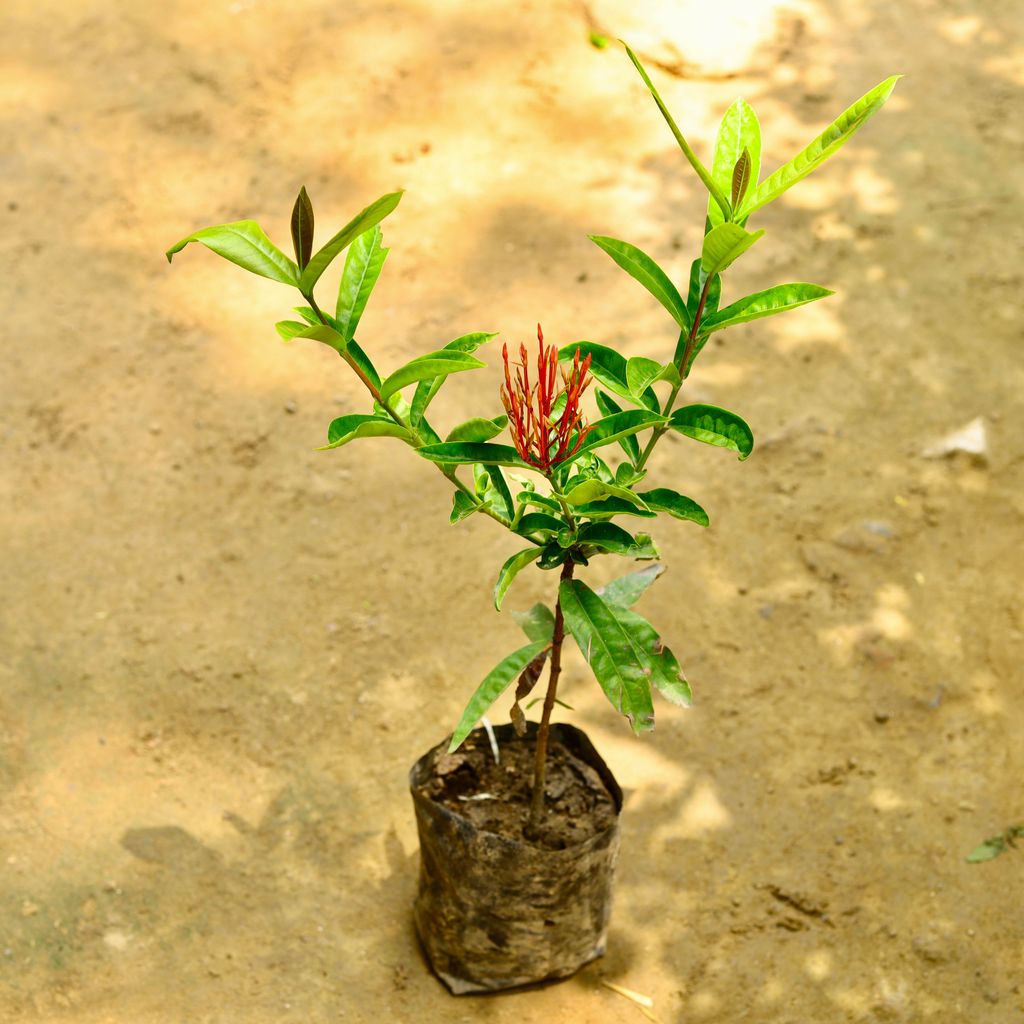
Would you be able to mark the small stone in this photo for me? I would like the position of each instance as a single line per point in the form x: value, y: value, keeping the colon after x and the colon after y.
x: 881, y: 717
x: 29, y: 909
x: 291, y: 407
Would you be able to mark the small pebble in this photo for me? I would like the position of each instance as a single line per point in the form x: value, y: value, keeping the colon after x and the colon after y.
x: 291, y: 407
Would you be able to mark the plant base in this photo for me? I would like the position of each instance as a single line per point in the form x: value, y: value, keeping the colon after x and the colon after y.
x: 495, y: 911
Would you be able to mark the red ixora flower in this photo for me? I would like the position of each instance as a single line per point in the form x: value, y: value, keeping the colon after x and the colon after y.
x: 544, y: 431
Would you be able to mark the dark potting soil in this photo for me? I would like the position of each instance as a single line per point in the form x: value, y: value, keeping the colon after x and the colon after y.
x: 496, y: 797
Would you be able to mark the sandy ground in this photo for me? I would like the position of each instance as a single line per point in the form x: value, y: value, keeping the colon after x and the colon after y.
x: 220, y: 651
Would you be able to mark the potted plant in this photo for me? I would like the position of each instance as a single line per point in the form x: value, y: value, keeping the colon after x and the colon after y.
x: 518, y: 824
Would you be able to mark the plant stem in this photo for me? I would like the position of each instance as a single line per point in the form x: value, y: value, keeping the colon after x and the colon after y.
x: 540, y: 763
x: 690, y: 342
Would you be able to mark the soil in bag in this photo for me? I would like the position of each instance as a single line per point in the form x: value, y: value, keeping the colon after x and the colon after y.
x: 496, y: 797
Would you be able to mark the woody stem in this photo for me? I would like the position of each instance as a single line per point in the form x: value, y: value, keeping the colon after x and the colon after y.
x: 540, y: 761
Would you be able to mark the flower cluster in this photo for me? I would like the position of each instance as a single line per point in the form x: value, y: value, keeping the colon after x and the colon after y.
x: 546, y: 425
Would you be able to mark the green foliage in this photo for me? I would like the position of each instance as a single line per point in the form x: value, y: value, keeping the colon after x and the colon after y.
x: 837, y: 134
x: 724, y: 244
x: 995, y: 845
x: 363, y: 264
x: 715, y: 426
x: 428, y: 367
x: 608, y: 367
x: 642, y: 268
x: 628, y: 589
x: 612, y: 652
x: 350, y: 428
x: 493, y: 686
x: 738, y: 133
x: 244, y: 243
x: 360, y: 223
x: 765, y: 303
x: 508, y: 572
x: 583, y: 473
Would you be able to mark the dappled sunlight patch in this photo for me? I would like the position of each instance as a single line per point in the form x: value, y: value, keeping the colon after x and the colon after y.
x: 874, y: 193
x: 985, y: 695
x: 882, y: 798
x: 1008, y: 65
x: 701, y: 813
x: 854, y: 1000
x: 961, y: 29
x: 640, y: 768
x: 711, y: 39
x: 26, y: 87
x: 818, y: 324
x: 99, y: 784
x: 771, y: 993
x: 819, y: 964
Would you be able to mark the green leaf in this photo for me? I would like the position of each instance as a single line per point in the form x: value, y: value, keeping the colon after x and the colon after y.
x: 607, y: 405
x: 302, y: 228
x: 553, y: 555
x: 723, y: 244
x: 677, y: 505
x: 995, y: 845
x: 494, y: 685
x: 610, y: 507
x: 540, y: 500
x: 463, y: 452
x: 425, y: 367
x: 308, y: 315
x: 328, y: 335
x: 702, y: 171
x: 540, y: 522
x: 611, y: 652
x: 642, y: 268
x: 658, y: 662
x: 427, y: 389
x: 627, y: 590
x: 642, y: 372
x: 243, y: 242
x: 608, y: 537
x: 538, y: 623
x: 363, y: 264
x: 715, y: 426
x: 511, y: 569
x: 839, y: 132
x: 738, y: 131
x: 471, y: 342
x: 608, y: 368
x: 463, y: 506
x: 765, y: 303
x: 595, y: 490
x: 362, y: 360
x: 693, y: 297
x: 619, y: 424
x: 289, y: 329
x: 627, y: 475
x: 349, y: 428
x: 598, y: 41
x: 362, y: 222
x: 478, y: 429
x: 499, y: 492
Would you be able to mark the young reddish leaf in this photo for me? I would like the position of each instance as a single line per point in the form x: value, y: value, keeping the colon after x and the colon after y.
x: 740, y: 178
x: 302, y: 228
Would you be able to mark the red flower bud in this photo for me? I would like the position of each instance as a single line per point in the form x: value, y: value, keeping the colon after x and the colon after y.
x: 545, y: 429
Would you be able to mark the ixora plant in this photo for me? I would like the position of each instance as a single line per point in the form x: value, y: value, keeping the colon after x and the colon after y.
x: 517, y: 850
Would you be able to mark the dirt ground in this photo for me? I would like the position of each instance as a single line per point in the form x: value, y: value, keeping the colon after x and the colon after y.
x: 220, y: 651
